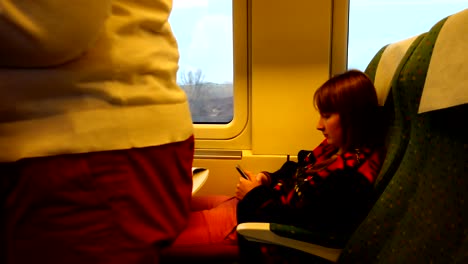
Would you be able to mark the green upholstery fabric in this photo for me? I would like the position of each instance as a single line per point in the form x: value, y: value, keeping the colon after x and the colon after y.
x: 398, y: 131
x: 462, y: 255
x: 421, y: 217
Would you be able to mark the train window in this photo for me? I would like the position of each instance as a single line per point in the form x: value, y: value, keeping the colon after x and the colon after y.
x: 212, y: 62
x: 375, y: 23
x: 204, y: 33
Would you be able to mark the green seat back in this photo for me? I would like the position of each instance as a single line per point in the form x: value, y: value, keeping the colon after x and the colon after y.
x: 398, y: 126
x: 421, y: 216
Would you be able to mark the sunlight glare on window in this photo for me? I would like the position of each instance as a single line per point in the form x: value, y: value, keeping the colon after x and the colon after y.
x: 376, y: 23
x: 204, y: 33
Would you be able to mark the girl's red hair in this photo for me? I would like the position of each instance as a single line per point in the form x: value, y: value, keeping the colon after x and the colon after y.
x: 352, y: 95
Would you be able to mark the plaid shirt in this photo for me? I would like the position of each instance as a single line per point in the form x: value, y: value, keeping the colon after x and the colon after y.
x: 323, y: 191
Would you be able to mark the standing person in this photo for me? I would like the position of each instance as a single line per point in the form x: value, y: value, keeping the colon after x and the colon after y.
x: 329, y: 189
x: 96, y: 136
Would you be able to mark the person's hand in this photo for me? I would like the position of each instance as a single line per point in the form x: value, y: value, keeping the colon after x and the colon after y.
x: 246, y: 185
x: 261, y: 177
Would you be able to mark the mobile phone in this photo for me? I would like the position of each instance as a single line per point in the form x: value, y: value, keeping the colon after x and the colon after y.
x: 241, y: 171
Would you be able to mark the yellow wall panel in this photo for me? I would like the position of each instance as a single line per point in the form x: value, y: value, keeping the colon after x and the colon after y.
x: 290, y: 58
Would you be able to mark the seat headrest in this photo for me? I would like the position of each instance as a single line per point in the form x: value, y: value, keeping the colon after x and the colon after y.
x: 446, y: 82
x: 387, y: 66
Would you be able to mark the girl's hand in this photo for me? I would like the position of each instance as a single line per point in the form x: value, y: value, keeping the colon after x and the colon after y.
x: 244, y: 186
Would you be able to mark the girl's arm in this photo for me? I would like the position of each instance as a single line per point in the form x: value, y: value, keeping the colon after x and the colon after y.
x: 336, y: 204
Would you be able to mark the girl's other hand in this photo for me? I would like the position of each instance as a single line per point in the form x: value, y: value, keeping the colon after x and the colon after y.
x: 261, y: 177
x: 246, y: 185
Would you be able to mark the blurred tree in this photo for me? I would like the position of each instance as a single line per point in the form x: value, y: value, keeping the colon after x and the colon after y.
x: 197, y: 91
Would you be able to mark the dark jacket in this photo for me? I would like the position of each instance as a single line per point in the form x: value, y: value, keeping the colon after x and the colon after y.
x: 323, y: 192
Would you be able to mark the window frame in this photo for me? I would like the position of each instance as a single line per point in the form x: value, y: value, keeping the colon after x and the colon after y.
x: 339, y: 42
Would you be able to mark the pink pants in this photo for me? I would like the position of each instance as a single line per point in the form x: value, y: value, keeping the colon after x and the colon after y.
x: 210, y: 233
x: 116, y: 207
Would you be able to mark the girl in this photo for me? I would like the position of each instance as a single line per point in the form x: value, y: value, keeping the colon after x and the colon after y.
x: 328, y: 191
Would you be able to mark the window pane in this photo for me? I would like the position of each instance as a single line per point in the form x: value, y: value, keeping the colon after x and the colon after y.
x: 376, y: 23
x: 203, y: 29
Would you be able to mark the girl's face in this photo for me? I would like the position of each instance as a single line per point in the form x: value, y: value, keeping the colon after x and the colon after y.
x: 330, y: 125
